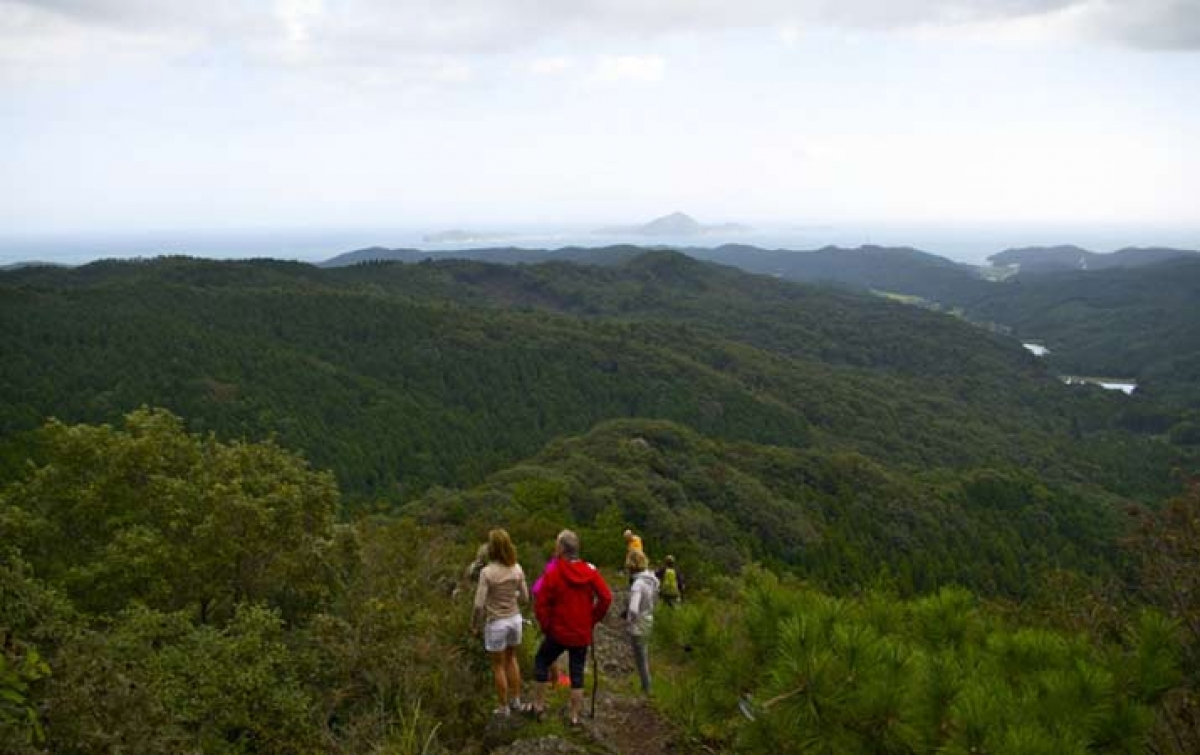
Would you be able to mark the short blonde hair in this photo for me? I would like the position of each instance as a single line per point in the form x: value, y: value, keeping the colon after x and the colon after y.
x: 501, y: 548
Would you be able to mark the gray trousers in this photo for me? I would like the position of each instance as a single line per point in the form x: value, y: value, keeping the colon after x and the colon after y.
x: 641, y: 657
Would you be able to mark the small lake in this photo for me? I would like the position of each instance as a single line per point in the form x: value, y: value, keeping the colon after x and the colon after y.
x: 1113, y: 384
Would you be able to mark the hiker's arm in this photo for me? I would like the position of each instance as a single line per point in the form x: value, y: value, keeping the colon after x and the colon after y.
x: 603, y: 599
x: 523, y: 591
x: 635, y: 607
x: 541, y: 608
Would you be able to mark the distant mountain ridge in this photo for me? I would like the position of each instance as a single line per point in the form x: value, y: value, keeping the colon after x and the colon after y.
x: 1053, y: 259
x: 505, y: 255
x: 901, y: 270
x: 30, y: 263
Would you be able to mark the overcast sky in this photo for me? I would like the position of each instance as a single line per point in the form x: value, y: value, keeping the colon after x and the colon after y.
x: 121, y: 115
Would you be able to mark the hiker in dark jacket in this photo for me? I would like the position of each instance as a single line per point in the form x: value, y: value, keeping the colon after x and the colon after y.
x: 572, y: 599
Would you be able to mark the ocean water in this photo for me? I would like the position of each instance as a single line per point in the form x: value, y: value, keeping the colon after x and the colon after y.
x: 967, y: 243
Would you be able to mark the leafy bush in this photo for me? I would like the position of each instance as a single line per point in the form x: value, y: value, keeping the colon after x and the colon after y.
x: 157, y: 683
x: 152, y: 514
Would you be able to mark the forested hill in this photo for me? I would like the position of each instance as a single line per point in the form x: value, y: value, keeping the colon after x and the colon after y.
x: 822, y: 324
x: 397, y: 377
x: 1142, y: 323
x: 1100, y: 314
x: 894, y: 269
x: 1056, y: 259
x: 834, y: 471
x: 506, y: 255
x: 838, y: 518
x: 167, y: 592
x: 888, y: 269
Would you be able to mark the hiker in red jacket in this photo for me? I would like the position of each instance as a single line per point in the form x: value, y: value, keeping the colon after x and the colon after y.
x: 572, y: 599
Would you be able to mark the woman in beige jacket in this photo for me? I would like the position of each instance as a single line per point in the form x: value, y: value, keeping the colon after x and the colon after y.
x: 498, y: 599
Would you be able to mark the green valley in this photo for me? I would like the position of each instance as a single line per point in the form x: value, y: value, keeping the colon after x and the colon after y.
x: 271, y: 559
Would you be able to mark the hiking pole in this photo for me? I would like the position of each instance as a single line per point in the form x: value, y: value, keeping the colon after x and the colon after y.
x: 595, y: 679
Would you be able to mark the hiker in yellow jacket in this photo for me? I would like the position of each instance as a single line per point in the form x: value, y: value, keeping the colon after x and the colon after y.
x: 633, y: 543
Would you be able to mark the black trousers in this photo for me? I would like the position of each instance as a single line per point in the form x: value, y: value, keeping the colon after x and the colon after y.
x: 549, y: 650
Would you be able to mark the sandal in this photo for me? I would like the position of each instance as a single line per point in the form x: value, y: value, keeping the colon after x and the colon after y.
x: 500, y: 712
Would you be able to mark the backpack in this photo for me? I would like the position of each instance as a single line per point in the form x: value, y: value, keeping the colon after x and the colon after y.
x: 670, y: 584
x: 474, y: 570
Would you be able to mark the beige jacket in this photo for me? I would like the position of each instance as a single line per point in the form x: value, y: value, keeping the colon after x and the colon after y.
x: 501, y: 591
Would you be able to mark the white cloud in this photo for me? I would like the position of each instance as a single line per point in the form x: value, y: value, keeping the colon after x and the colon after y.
x: 551, y: 66
x: 1166, y: 24
x: 40, y: 33
x: 296, y: 16
x: 638, y: 68
x: 789, y: 34
x: 1146, y: 24
x: 453, y: 71
x: 43, y: 41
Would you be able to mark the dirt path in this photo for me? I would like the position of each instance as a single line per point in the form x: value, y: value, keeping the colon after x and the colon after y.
x: 626, y: 723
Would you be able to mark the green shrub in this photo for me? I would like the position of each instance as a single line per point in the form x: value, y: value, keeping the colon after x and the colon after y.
x: 786, y: 669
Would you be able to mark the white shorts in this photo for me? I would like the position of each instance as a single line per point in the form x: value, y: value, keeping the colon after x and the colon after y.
x: 502, y: 633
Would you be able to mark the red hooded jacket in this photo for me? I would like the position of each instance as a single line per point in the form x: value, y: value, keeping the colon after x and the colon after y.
x: 573, y: 598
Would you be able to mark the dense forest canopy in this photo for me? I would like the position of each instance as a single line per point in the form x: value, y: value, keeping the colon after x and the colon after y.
x: 171, y: 626
x: 1136, y: 320
x: 1142, y: 323
x: 397, y: 377
x: 906, y: 517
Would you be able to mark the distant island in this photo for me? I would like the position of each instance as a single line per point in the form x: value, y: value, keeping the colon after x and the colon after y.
x: 675, y: 224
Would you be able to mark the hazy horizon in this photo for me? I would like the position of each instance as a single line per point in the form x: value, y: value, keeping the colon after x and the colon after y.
x: 967, y: 243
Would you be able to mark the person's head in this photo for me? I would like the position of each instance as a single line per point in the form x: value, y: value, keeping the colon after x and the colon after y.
x: 669, y: 560
x: 638, y: 562
x: 501, y: 548
x: 568, y: 544
x: 628, y: 535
